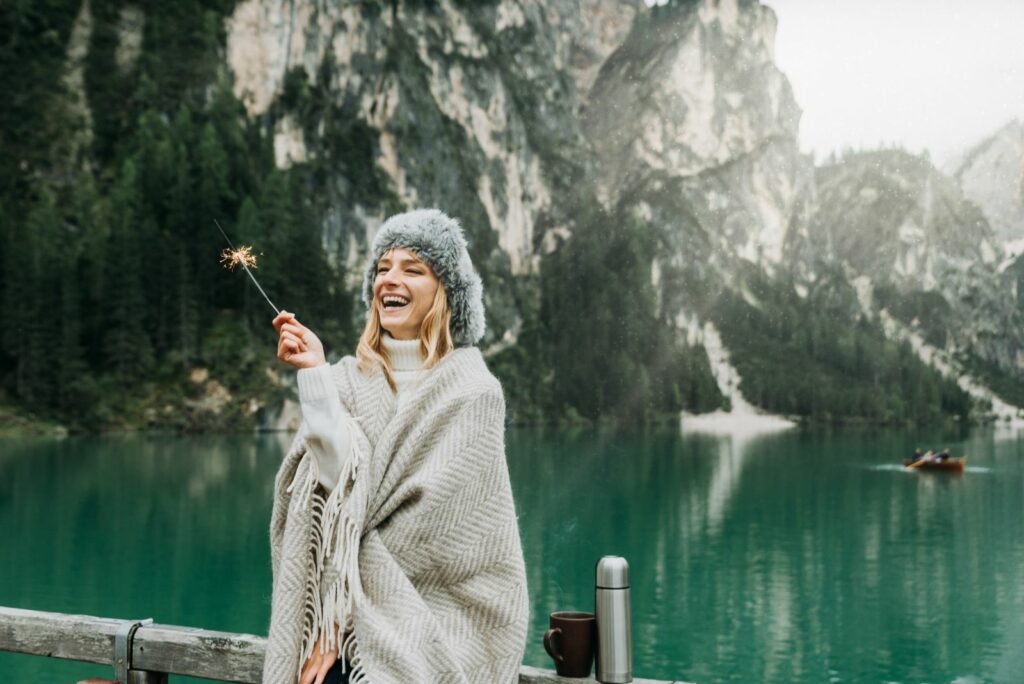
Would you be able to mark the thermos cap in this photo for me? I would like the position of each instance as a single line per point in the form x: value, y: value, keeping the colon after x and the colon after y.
x: 612, y: 573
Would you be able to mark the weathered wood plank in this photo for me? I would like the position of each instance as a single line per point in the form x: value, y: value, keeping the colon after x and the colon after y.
x: 73, y: 637
x: 224, y: 656
x: 161, y: 648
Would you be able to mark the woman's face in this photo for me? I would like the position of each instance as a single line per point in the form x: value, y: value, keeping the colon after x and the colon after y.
x: 403, y: 293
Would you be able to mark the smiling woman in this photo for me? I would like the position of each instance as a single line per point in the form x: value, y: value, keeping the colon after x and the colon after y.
x: 388, y: 565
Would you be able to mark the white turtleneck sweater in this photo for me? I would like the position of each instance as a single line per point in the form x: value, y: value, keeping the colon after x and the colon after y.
x: 324, y: 418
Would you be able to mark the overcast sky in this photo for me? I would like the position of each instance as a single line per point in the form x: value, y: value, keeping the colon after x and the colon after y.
x: 927, y: 74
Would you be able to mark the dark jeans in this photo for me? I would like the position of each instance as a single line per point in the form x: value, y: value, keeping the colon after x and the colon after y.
x: 334, y: 676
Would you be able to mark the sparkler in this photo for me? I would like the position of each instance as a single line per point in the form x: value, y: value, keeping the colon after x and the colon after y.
x: 243, y: 257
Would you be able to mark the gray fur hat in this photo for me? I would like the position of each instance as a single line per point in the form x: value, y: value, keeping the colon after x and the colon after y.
x: 437, y: 239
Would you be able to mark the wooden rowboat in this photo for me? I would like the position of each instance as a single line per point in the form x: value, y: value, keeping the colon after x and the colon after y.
x: 953, y: 465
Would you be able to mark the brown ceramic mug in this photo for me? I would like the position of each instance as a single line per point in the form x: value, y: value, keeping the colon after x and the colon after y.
x: 570, y: 642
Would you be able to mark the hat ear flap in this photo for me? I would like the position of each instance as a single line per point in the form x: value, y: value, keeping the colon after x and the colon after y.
x: 467, y: 304
x: 476, y: 323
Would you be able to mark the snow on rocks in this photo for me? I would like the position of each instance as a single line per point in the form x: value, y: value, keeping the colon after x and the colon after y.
x: 743, y: 417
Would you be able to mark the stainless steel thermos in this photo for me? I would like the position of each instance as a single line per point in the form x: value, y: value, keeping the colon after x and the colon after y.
x: 614, y: 624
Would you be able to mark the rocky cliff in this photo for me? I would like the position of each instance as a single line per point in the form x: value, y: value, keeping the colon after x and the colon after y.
x: 991, y: 174
x: 694, y: 125
x: 500, y: 111
x: 893, y: 217
x: 919, y: 248
x: 469, y: 105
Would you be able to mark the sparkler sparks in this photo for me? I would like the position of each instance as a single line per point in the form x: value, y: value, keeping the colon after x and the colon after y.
x: 242, y: 257
x: 235, y: 257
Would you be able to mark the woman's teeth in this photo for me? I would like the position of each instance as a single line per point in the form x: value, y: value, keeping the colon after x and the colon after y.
x: 393, y: 301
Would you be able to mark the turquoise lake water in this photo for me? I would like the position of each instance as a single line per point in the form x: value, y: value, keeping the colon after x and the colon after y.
x: 800, y: 556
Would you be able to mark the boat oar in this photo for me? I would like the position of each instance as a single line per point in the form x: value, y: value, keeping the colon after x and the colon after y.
x: 921, y: 461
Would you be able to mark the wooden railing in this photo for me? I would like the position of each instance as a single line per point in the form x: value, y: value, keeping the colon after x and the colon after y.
x: 147, y: 653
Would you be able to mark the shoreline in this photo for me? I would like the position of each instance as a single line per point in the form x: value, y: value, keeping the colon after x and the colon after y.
x: 729, y: 423
x: 14, y: 423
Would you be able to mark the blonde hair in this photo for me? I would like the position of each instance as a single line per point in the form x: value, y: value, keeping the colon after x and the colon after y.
x: 435, y: 337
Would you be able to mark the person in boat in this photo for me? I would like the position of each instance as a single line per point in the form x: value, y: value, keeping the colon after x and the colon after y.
x: 917, y: 458
x: 395, y: 547
x: 944, y: 456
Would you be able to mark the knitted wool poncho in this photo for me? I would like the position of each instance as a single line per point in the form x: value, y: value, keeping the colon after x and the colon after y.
x: 415, y: 553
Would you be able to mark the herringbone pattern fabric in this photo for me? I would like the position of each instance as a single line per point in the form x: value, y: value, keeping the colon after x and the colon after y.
x: 416, y: 552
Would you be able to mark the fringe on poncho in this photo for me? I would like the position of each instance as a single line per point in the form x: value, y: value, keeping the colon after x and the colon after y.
x: 415, y: 555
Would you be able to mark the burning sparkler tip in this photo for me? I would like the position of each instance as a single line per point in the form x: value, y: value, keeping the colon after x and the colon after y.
x: 242, y: 256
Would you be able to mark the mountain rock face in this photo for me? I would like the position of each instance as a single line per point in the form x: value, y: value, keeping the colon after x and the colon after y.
x: 598, y: 28
x: 467, y: 105
x: 479, y: 102
x: 991, y: 175
x: 897, y: 224
x: 693, y: 123
x: 890, y: 215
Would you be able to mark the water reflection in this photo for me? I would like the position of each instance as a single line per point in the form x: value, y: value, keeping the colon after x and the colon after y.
x: 790, y: 546
x: 733, y: 450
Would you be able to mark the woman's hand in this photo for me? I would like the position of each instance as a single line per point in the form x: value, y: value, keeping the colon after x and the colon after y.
x: 297, y: 346
x: 317, y: 667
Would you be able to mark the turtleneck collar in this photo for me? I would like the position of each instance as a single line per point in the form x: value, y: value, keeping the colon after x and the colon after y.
x: 405, y: 354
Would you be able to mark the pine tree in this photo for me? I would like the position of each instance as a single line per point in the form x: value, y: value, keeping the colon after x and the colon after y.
x: 127, y: 348
x: 36, y: 304
x: 87, y: 208
x: 213, y: 199
x: 183, y: 226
